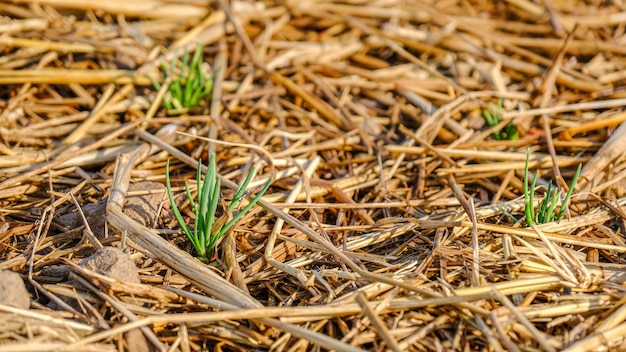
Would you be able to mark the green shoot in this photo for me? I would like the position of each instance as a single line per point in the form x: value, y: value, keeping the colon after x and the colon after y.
x: 510, y: 132
x: 508, y: 215
x: 190, y: 82
x: 546, y: 210
x: 207, y: 230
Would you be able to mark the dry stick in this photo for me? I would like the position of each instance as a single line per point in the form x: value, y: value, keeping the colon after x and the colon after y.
x: 247, y: 43
x: 269, y: 247
x: 184, y: 263
x: 613, y: 149
x: 32, y: 314
x: 379, y: 325
x: 185, y: 344
x: 229, y: 248
x: 254, y: 147
x: 501, y: 333
x: 600, y: 341
x: 591, y: 105
x: 233, y: 312
x: 491, y: 155
x: 63, y: 76
x: 427, y: 146
x: 344, y: 116
x: 363, y: 273
x: 187, y: 40
x: 491, y: 338
x: 594, y: 125
x: 317, y: 103
x: 475, y: 248
x: 341, y: 196
x: 458, y: 193
x: 503, y: 185
x: 150, y: 335
x: 93, y: 117
x: 88, y: 233
x: 221, y: 62
x: 557, y: 254
x: 52, y: 46
x: 547, y: 87
x: 156, y: 103
x: 403, y: 52
x: 617, y: 317
x: 553, y: 237
x: 48, y: 212
x: 308, y: 313
x: 69, y: 154
x: 151, y: 9
x: 60, y: 303
x: 25, y: 91
x: 533, y: 70
x: 545, y: 345
x: 563, y: 272
x: 433, y: 123
x: 306, y: 230
x: 423, y: 332
x: 474, y: 168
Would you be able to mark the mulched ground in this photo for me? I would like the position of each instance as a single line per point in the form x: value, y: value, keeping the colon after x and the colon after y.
x: 390, y: 223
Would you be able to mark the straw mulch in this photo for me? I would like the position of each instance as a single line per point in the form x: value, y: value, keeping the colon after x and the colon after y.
x: 387, y: 224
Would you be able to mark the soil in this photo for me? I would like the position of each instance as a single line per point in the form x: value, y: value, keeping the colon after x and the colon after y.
x: 113, y: 263
x: 13, y: 291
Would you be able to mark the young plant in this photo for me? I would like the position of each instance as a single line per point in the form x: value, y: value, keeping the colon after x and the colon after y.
x: 510, y: 132
x: 190, y: 82
x: 546, y: 211
x: 207, y: 230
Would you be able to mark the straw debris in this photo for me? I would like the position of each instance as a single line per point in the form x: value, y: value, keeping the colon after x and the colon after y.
x: 388, y: 223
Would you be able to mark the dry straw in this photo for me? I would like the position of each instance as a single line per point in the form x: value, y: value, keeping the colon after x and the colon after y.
x: 388, y: 223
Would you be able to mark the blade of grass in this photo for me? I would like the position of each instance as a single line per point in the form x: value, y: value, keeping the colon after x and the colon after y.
x: 564, y: 205
x: 527, y: 195
x: 240, y: 191
x: 177, y: 214
x: 245, y: 210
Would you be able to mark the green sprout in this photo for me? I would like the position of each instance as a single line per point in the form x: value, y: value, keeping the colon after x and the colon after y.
x: 546, y: 211
x: 189, y: 81
x: 510, y: 132
x: 207, y: 230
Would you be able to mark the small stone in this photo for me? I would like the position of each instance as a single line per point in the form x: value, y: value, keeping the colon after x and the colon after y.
x: 136, y: 341
x: 13, y: 291
x: 95, y: 213
x: 114, y: 263
x: 144, y: 208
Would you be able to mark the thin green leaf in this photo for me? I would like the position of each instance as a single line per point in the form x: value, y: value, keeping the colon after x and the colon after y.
x: 564, y: 205
x: 532, y: 196
x: 155, y: 83
x: 527, y: 194
x: 213, y: 208
x: 239, y: 215
x: 543, y: 206
x: 512, y: 133
x: 204, y: 199
x: 509, y: 215
x: 185, y: 63
x: 198, y: 55
x: 553, y: 203
x: 241, y: 190
x: 179, y: 217
x: 192, y: 204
